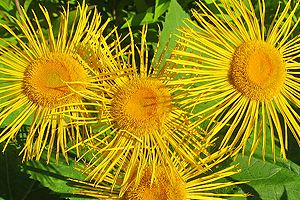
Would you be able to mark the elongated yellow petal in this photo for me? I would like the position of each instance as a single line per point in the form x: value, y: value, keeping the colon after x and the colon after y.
x: 245, y: 77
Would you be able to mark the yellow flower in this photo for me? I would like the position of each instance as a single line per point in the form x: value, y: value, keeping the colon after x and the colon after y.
x: 141, y: 116
x: 246, y: 74
x: 179, y: 181
x: 38, y: 77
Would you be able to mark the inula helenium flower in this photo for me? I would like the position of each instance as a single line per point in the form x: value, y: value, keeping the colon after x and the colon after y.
x: 140, y: 117
x: 246, y: 72
x: 38, y: 77
x: 178, y: 181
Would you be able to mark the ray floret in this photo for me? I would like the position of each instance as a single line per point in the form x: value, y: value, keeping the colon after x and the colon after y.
x: 245, y: 72
x: 179, y: 181
x: 141, y: 117
x: 38, y: 77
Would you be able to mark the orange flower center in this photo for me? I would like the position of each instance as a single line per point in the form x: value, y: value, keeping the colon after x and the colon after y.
x: 164, y: 187
x: 257, y: 70
x: 45, y: 79
x: 141, y: 106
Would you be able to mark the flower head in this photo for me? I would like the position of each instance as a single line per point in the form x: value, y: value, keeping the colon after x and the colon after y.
x: 244, y: 72
x: 142, y: 117
x: 39, y: 75
x: 179, y: 181
x: 141, y: 106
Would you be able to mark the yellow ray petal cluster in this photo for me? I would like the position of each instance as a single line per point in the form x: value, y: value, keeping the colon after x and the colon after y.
x: 141, y: 106
x: 141, y: 117
x: 134, y: 117
x: 245, y: 71
x: 179, y: 181
x: 143, y: 146
x: 38, y: 77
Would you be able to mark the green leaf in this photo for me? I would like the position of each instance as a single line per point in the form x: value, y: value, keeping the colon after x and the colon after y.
x: 269, y: 179
x: 174, y: 19
x: 55, y: 175
x: 15, y: 184
x: 140, y: 19
x: 6, y: 5
x: 161, y: 6
x: 27, y: 4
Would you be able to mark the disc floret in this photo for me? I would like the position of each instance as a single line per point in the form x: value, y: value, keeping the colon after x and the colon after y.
x: 164, y: 186
x: 141, y: 106
x: 257, y: 70
x: 45, y: 79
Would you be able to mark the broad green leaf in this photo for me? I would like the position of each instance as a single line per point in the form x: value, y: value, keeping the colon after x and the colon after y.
x: 55, y: 175
x: 17, y: 185
x: 140, y: 19
x: 269, y: 179
x: 174, y: 19
x: 27, y: 4
x: 161, y: 6
x: 6, y: 5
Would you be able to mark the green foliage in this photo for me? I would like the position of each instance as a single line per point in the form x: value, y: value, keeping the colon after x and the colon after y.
x: 146, y: 14
x: 38, y: 180
x: 268, y: 179
x: 55, y: 176
x: 17, y: 184
x: 174, y: 19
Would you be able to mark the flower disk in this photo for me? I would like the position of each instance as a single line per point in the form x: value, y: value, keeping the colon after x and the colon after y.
x: 257, y: 70
x: 245, y: 70
x: 141, y: 106
x: 164, y: 187
x: 45, y: 79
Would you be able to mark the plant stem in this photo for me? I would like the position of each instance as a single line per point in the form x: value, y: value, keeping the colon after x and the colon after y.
x: 19, y: 8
